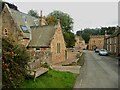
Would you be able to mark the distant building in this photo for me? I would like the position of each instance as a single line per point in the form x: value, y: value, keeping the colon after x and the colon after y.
x: 113, y: 42
x: 80, y: 43
x: 96, y: 41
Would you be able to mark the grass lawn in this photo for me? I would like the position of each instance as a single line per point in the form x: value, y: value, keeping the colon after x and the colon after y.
x: 52, y: 79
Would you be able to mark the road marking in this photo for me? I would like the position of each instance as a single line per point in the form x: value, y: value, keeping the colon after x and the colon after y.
x: 81, y: 82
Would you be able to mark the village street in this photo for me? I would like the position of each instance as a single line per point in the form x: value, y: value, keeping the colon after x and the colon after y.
x: 98, y: 72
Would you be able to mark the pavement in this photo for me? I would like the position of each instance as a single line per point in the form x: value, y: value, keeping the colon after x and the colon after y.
x: 71, y: 58
x: 98, y: 72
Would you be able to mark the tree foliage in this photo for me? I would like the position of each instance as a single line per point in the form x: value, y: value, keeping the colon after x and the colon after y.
x: 66, y: 20
x: 97, y: 31
x: 69, y: 39
x: 33, y: 13
x: 14, y: 61
x: 66, y: 25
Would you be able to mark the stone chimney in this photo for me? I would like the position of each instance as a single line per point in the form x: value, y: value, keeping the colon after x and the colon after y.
x: 41, y: 13
x: 42, y: 19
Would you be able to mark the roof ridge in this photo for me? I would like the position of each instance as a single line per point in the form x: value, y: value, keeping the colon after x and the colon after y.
x: 23, y: 13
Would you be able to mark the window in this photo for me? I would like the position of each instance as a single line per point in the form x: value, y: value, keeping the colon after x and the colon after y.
x: 107, y: 47
x: 24, y: 19
x: 110, y: 40
x: 58, y: 47
x: 107, y: 41
x: 37, y: 48
x: 6, y: 32
x: 115, y: 48
x: 115, y: 39
x: 110, y: 48
x: 24, y: 29
x: 36, y: 22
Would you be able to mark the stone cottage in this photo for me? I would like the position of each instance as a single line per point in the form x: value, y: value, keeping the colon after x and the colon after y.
x: 80, y: 43
x: 49, y: 39
x: 96, y: 41
x: 44, y: 42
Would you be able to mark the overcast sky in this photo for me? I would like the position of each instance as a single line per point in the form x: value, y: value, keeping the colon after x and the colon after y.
x: 84, y: 14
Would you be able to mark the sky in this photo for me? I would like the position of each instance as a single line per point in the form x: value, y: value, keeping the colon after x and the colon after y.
x: 84, y: 14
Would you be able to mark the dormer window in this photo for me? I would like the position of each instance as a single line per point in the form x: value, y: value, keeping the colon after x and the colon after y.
x: 36, y: 22
x: 24, y: 19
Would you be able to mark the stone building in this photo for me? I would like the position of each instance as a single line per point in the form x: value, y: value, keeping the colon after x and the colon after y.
x: 44, y: 42
x: 96, y: 41
x: 80, y: 43
x: 113, y: 42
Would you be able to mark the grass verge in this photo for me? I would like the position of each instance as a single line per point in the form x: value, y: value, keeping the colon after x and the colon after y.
x: 52, y: 79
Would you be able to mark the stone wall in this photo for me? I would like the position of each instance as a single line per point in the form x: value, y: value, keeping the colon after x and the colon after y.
x: 113, y: 45
x: 80, y: 43
x: 39, y: 57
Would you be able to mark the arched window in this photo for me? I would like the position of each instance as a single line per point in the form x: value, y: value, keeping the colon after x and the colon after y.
x: 6, y: 32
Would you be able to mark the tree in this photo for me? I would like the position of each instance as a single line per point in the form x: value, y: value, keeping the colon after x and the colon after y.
x: 66, y: 25
x: 33, y: 13
x: 69, y: 39
x: 66, y: 20
x: 14, y: 62
x: 50, y: 20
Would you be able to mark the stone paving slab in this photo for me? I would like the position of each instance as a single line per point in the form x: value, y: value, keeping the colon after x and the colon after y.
x: 72, y: 69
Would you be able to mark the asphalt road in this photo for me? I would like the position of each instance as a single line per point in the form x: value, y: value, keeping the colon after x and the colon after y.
x: 98, y: 72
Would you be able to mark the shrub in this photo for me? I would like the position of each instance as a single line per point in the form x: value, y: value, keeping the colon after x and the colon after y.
x: 14, y: 61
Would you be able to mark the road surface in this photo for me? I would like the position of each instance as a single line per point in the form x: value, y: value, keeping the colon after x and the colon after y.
x: 98, y: 72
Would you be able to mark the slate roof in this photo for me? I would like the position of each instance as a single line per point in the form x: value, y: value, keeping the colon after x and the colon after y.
x: 23, y: 19
x: 19, y: 17
x: 42, y: 36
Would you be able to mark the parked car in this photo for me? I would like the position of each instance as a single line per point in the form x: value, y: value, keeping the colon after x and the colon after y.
x: 103, y: 52
x: 96, y: 50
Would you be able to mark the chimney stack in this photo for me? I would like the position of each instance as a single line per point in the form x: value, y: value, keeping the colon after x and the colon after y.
x: 41, y: 13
